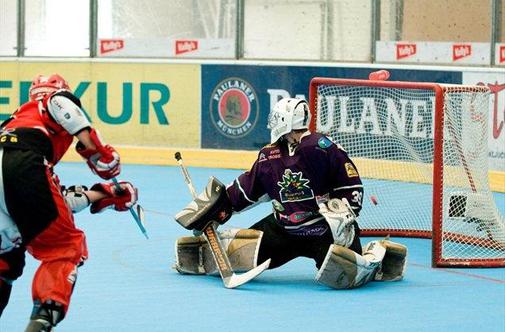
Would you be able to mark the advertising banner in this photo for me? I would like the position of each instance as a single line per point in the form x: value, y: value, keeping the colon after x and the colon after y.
x: 434, y: 52
x: 499, y: 58
x: 167, y: 47
x: 237, y: 99
x: 136, y: 104
x: 496, y: 139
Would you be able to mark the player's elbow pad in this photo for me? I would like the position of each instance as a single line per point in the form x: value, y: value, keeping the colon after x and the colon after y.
x: 76, y: 198
x: 213, y: 204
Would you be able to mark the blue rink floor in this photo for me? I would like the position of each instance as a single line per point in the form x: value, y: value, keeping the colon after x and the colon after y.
x: 128, y: 283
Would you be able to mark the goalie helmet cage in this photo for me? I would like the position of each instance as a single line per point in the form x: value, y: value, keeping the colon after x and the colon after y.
x: 424, y: 143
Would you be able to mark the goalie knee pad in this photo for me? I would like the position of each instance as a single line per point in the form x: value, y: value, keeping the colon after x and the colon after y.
x: 394, y: 262
x: 343, y: 268
x: 193, y: 254
x: 189, y: 255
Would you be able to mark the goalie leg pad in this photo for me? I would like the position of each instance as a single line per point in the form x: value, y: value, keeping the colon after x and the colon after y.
x: 394, y: 263
x: 193, y: 254
x: 344, y: 269
x: 189, y: 255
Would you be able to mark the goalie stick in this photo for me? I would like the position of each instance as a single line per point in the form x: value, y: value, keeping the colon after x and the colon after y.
x: 230, y: 279
x: 138, y: 215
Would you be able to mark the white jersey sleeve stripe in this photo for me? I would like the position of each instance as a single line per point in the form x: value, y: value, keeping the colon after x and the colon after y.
x: 348, y: 187
x: 243, y: 192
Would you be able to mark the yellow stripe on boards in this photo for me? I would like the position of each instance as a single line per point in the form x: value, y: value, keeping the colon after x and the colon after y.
x: 231, y: 159
x: 240, y: 159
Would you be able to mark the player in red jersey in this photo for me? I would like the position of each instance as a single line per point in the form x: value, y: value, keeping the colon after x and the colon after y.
x: 36, y: 213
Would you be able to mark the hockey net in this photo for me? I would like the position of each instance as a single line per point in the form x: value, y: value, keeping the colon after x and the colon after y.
x: 421, y: 149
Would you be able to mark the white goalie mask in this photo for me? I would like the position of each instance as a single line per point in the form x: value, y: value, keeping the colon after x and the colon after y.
x: 288, y: 114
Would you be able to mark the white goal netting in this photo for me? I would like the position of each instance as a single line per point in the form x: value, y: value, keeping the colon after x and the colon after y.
x: 422, y: 151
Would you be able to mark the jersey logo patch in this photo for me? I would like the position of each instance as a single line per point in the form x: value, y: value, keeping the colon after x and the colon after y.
x: 351, y: 170
x: 262, y: 157
x: 324, y: 143
x: 8, y: 135
x: 294, y: 187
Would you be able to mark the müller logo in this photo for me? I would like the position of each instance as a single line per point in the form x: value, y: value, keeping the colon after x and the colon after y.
x: 110, y: 45
x: 234, y: 107
x: 185, y: 46
x: 502, y: 53
x: 460, y: 51
x: 405, y: 50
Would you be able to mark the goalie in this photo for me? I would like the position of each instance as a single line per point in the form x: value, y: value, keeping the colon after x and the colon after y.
x: 316, y: 192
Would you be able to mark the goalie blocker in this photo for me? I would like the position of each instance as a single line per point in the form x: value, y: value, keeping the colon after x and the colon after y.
x: 212, y: 205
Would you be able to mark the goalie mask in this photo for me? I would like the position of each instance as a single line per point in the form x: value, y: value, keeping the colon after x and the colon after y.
x: 288, y: 114
x: 44, y: 85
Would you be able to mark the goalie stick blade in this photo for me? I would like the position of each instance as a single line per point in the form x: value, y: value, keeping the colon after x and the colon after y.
x: 236, y: 280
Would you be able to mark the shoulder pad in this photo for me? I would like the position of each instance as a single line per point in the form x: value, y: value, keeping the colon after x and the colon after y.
x: 69, y: 95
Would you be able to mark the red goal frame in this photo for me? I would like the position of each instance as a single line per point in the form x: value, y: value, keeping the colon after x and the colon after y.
x: 436, y: 234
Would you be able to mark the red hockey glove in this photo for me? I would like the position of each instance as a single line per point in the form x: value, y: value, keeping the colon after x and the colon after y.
x: 118, y: 201
x: 104, y: 161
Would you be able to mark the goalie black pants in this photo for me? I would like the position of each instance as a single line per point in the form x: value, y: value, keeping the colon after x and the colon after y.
x: 282, y: 247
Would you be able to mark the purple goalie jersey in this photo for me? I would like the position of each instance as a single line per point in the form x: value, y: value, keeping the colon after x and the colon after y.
x: 318, y: 171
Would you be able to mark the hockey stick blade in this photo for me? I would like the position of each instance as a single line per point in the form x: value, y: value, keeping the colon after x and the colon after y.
x: 139, y: 219
x: 236, y: 280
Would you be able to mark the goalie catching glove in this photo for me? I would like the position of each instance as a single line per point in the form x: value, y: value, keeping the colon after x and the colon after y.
x: 340, y: 218
x: 213, y: 204
x: 103, y: 160
x: 119, y: 201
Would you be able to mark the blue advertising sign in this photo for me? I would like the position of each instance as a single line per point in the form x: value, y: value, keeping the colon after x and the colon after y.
x: 236, y: 99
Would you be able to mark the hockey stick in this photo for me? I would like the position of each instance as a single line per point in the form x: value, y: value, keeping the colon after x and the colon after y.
x: 137, y: 215
x: 230, y: 279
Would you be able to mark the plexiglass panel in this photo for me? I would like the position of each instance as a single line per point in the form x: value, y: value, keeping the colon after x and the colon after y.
x: 161, y: 28
x: 57, y: 28
x: 8, y: 27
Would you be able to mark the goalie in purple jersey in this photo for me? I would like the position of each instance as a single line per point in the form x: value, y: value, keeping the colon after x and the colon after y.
x: 316, y: 193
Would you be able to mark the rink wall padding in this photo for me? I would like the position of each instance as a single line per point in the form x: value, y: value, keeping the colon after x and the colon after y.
x: 215, y: 111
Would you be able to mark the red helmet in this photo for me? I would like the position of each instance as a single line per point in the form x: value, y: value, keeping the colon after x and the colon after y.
x: 43, y: 85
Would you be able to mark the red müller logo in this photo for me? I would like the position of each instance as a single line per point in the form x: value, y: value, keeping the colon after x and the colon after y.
x: 502, y: 53
x: 460, y: 51
x: 405, y: 50
x: 110, y: 45
x: 185, y: 46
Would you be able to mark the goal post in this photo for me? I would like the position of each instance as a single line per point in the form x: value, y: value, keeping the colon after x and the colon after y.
x: 421, y: 149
